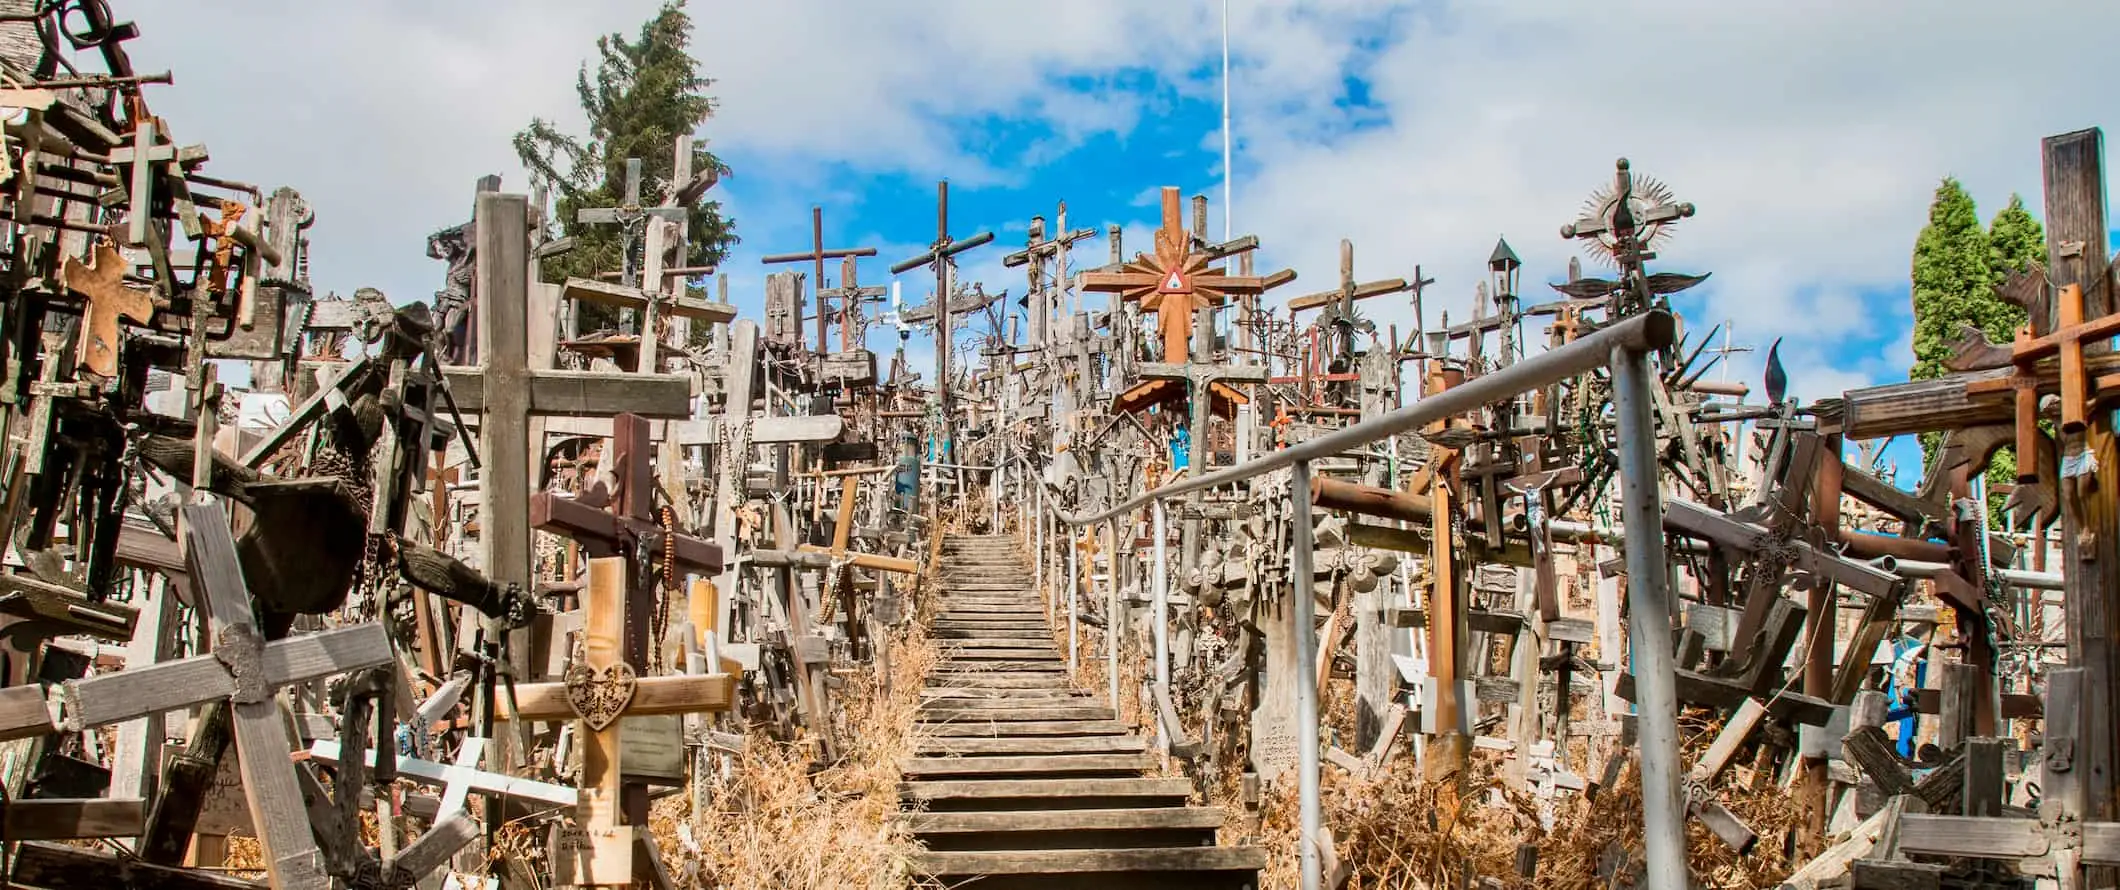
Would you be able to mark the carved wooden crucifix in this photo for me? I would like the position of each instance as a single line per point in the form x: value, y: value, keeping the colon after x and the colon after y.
x: 1038, y: 251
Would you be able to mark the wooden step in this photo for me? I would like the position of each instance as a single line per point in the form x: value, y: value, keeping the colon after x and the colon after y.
x: 1011, y: 654
x: 963, y: 693
x: 977, y: 668
x: 1124, y: 744
x: 1021, y: 630
x: 973, y: 728
x: 1066, y: 829
x: 1035, y: 681
x: 937, y: 713
x: 960, y: 795
x: 1165, y: 862
x: 1043, y: 765
x: 1036, y: 642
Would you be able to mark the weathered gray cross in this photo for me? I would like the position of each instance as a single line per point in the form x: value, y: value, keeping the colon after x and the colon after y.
x: 244, y: 670
x: 632, y: 220
x: 1037, y: 253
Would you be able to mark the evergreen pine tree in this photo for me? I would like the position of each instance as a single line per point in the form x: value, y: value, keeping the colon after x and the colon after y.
x: 646, y: 93
x: 2016, y: 242
x: 1956, y: 267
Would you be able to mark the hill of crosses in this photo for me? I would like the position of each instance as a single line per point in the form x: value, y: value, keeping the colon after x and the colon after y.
x: 1161, y: 572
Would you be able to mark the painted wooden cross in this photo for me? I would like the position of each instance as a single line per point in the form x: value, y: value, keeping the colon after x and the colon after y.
x: 1173, y: 283
x: 600, y: 690
x: 245, y: 671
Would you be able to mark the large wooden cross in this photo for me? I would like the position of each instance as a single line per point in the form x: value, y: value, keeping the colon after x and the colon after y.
x: 1173, y: 283
x: 506, y: 392
x: 600, y: 690
x: 245, y: 671
x: 940, y: 256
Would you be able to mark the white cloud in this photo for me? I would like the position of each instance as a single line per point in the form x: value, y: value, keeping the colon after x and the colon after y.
x: 1809, y: 133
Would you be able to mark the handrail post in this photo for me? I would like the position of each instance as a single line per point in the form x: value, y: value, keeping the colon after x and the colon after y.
x: 1162, y: 604
x: 1649, y: 624
x: 1304, y: 583
x: 1038, y: 548
x: 1111, y: 613
x: 1074, y: 583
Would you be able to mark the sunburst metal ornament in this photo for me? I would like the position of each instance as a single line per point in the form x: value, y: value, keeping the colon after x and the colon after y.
x: 1630, y: 216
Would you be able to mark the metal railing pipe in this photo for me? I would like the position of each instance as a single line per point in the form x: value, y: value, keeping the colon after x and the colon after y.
x: 1649, y: 623
x: 1305, y: 584
x: 1639, y: 333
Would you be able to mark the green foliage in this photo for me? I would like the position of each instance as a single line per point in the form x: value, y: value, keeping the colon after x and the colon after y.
x: 646, y: 93
x: 2016, y: 241
x: 1957, y: 265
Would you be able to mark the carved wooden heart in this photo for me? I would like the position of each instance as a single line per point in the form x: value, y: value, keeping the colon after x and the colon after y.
x: 599, y: 696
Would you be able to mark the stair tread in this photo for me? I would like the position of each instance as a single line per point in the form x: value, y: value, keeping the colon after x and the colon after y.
x: 1065, y: 820
x: 1157, y: 859
x: 1118, y: 744
x: 1007, y: 765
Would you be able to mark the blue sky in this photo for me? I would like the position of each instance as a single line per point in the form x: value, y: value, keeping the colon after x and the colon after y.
x: 1810, y: 134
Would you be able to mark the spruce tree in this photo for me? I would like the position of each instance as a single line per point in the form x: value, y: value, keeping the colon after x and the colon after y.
x: 1956, y: 267
x: 646, y: 93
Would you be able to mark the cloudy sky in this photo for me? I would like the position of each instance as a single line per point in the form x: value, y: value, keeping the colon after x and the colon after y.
x: 1810, y: 133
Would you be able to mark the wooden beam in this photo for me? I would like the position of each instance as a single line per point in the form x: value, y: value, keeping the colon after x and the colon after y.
x: 578, y: 393
x: 41, y: 820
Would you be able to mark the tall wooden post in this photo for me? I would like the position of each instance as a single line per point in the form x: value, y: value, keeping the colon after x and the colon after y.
x: 2076, y: 233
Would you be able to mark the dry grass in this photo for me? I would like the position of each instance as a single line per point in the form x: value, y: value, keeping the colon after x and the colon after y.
x: 1402, y: 831
x: 775, y: 821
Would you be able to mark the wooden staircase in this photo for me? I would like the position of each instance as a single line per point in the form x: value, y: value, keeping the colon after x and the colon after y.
x: 1018, y: 780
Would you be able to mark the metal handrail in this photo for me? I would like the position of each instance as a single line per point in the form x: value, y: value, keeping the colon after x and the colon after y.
x: 1623, y: 348
x: 1650, y: 330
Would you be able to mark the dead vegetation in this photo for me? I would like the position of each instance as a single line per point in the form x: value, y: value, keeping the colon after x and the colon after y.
x: 1404, y: 831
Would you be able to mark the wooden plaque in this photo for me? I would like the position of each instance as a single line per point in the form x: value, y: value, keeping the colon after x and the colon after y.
x: 653, y: 748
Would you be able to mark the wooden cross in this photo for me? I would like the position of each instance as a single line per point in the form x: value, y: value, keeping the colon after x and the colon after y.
x: 1038, y: 251
x: 1340, y: 300
x: 244, y: 670
x: 101, y: 286
x: 2077, y: 383
x: 601, y: 690
x: 939, y: 257
x: 818, y: 254
x: 1172, y: 283
x: 632, y: 220
x: 628, y: 531
x: 850, y: 295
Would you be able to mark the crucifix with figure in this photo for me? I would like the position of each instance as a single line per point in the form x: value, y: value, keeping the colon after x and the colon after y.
x: 941, y: 257
x: 818, y: 254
